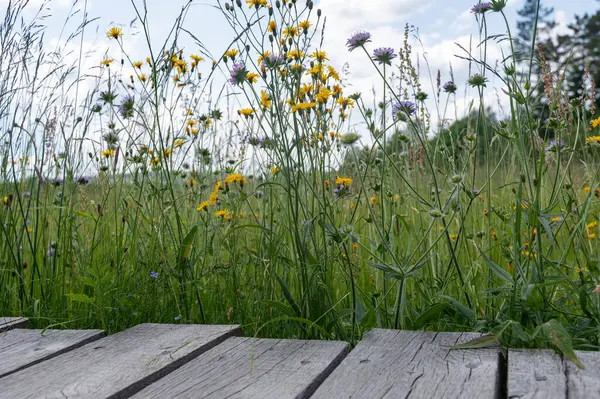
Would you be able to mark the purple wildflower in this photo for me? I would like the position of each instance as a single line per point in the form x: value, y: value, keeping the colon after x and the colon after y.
x: 384, y: 55
x: 83, y: 180
x: 126, y: 107
x: 408, y: 107
x: 555, y: 145
x: 449, y: 87
x: 340, y: 191
x: 56, y: 182
x: 273, y: 61
x: 358, y: 39
x: 154, y: 275
x: 238, y: 73
x: 481, y: 8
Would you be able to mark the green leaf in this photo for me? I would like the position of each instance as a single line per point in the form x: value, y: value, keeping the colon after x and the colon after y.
x: 497, y: 270
x: 559, y: 336
x: 288, y: 295
x: 286, y: 309
x: 462, y: 309
x: 431, y: 313
x: 186, y: 245
x: 80, y: 298
x: 481, y: 342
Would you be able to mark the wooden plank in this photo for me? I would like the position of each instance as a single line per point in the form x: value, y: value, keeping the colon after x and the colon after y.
x: 402, y: 364
x: 534, y: 373
x: 7, y: 323
x: 584, y: 383
x: 116, y: 366
x: 252, y: 368
x: 24, y: 348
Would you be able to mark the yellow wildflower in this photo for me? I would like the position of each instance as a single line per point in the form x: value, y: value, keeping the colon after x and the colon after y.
x: 596, y: 123
x: 138, y: 64
x: 345, y: 102
x: 373, y: 201
x: 246, y: 112
x: 586, y: 189
x: 256, y: 3
x: 265, y: 99
x: 343, y: 181
x: 592, y: 140
x: 319, y: 55
x: 143, y: 77
x: 295, y: 55
x: 223, y: 213
x: 304, y: 25
x: 154, y: 161
x: 114, y: 33
x: 274, y: 170
x: 178, y: 143
x: 108, y: 153
x: 252, y: 77
x: 203, y: 206
x: 332, y: 73
x: 231, y: 53
x: 106, y: 62
x: 235, y: 178
x: 272, y: 26
x: 196, y: 58
x: 290, y: 31
x: 494, y: 235
x: 453, y: 236
x: 323, y: 95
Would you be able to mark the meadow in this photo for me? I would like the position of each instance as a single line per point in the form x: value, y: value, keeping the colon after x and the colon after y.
x: 307, y: 213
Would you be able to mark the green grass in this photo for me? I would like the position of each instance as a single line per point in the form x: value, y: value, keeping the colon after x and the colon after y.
x: 481, y: 229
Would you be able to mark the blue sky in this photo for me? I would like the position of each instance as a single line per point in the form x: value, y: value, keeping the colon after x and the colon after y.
x: 441, y: 24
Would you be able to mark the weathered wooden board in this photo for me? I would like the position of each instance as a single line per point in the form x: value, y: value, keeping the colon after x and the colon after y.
x: 416, y: 364
x: 6, y: 323
x: 23, y: 348
x: 536, y: 373
x: 252, y: 368
x: 116, y: 366
x: 584, y: 383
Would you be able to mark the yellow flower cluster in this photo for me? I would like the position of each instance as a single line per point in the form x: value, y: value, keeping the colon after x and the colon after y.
x: 595, y: 123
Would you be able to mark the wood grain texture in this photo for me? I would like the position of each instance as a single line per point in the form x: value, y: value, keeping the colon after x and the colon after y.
x: 536, y: 374
x: 23, y: 348
x: 415, y: 364
x: 116, y: 366
x: 584, y: 383
x: 7, y: 323
x: 252, y: 368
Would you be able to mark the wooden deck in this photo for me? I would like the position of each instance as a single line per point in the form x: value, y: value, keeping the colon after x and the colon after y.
x: 207, y: 361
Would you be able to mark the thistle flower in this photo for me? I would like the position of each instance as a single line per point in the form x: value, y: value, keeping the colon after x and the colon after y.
x: 449, y: 87
x: 358, y: 39
x: 477, y: 80
x: 481, y: 8
x: 407, y: 107
x: 384, y: 55
x: 238, y: 74
x: 126, y: 107
x: 114, y: 33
